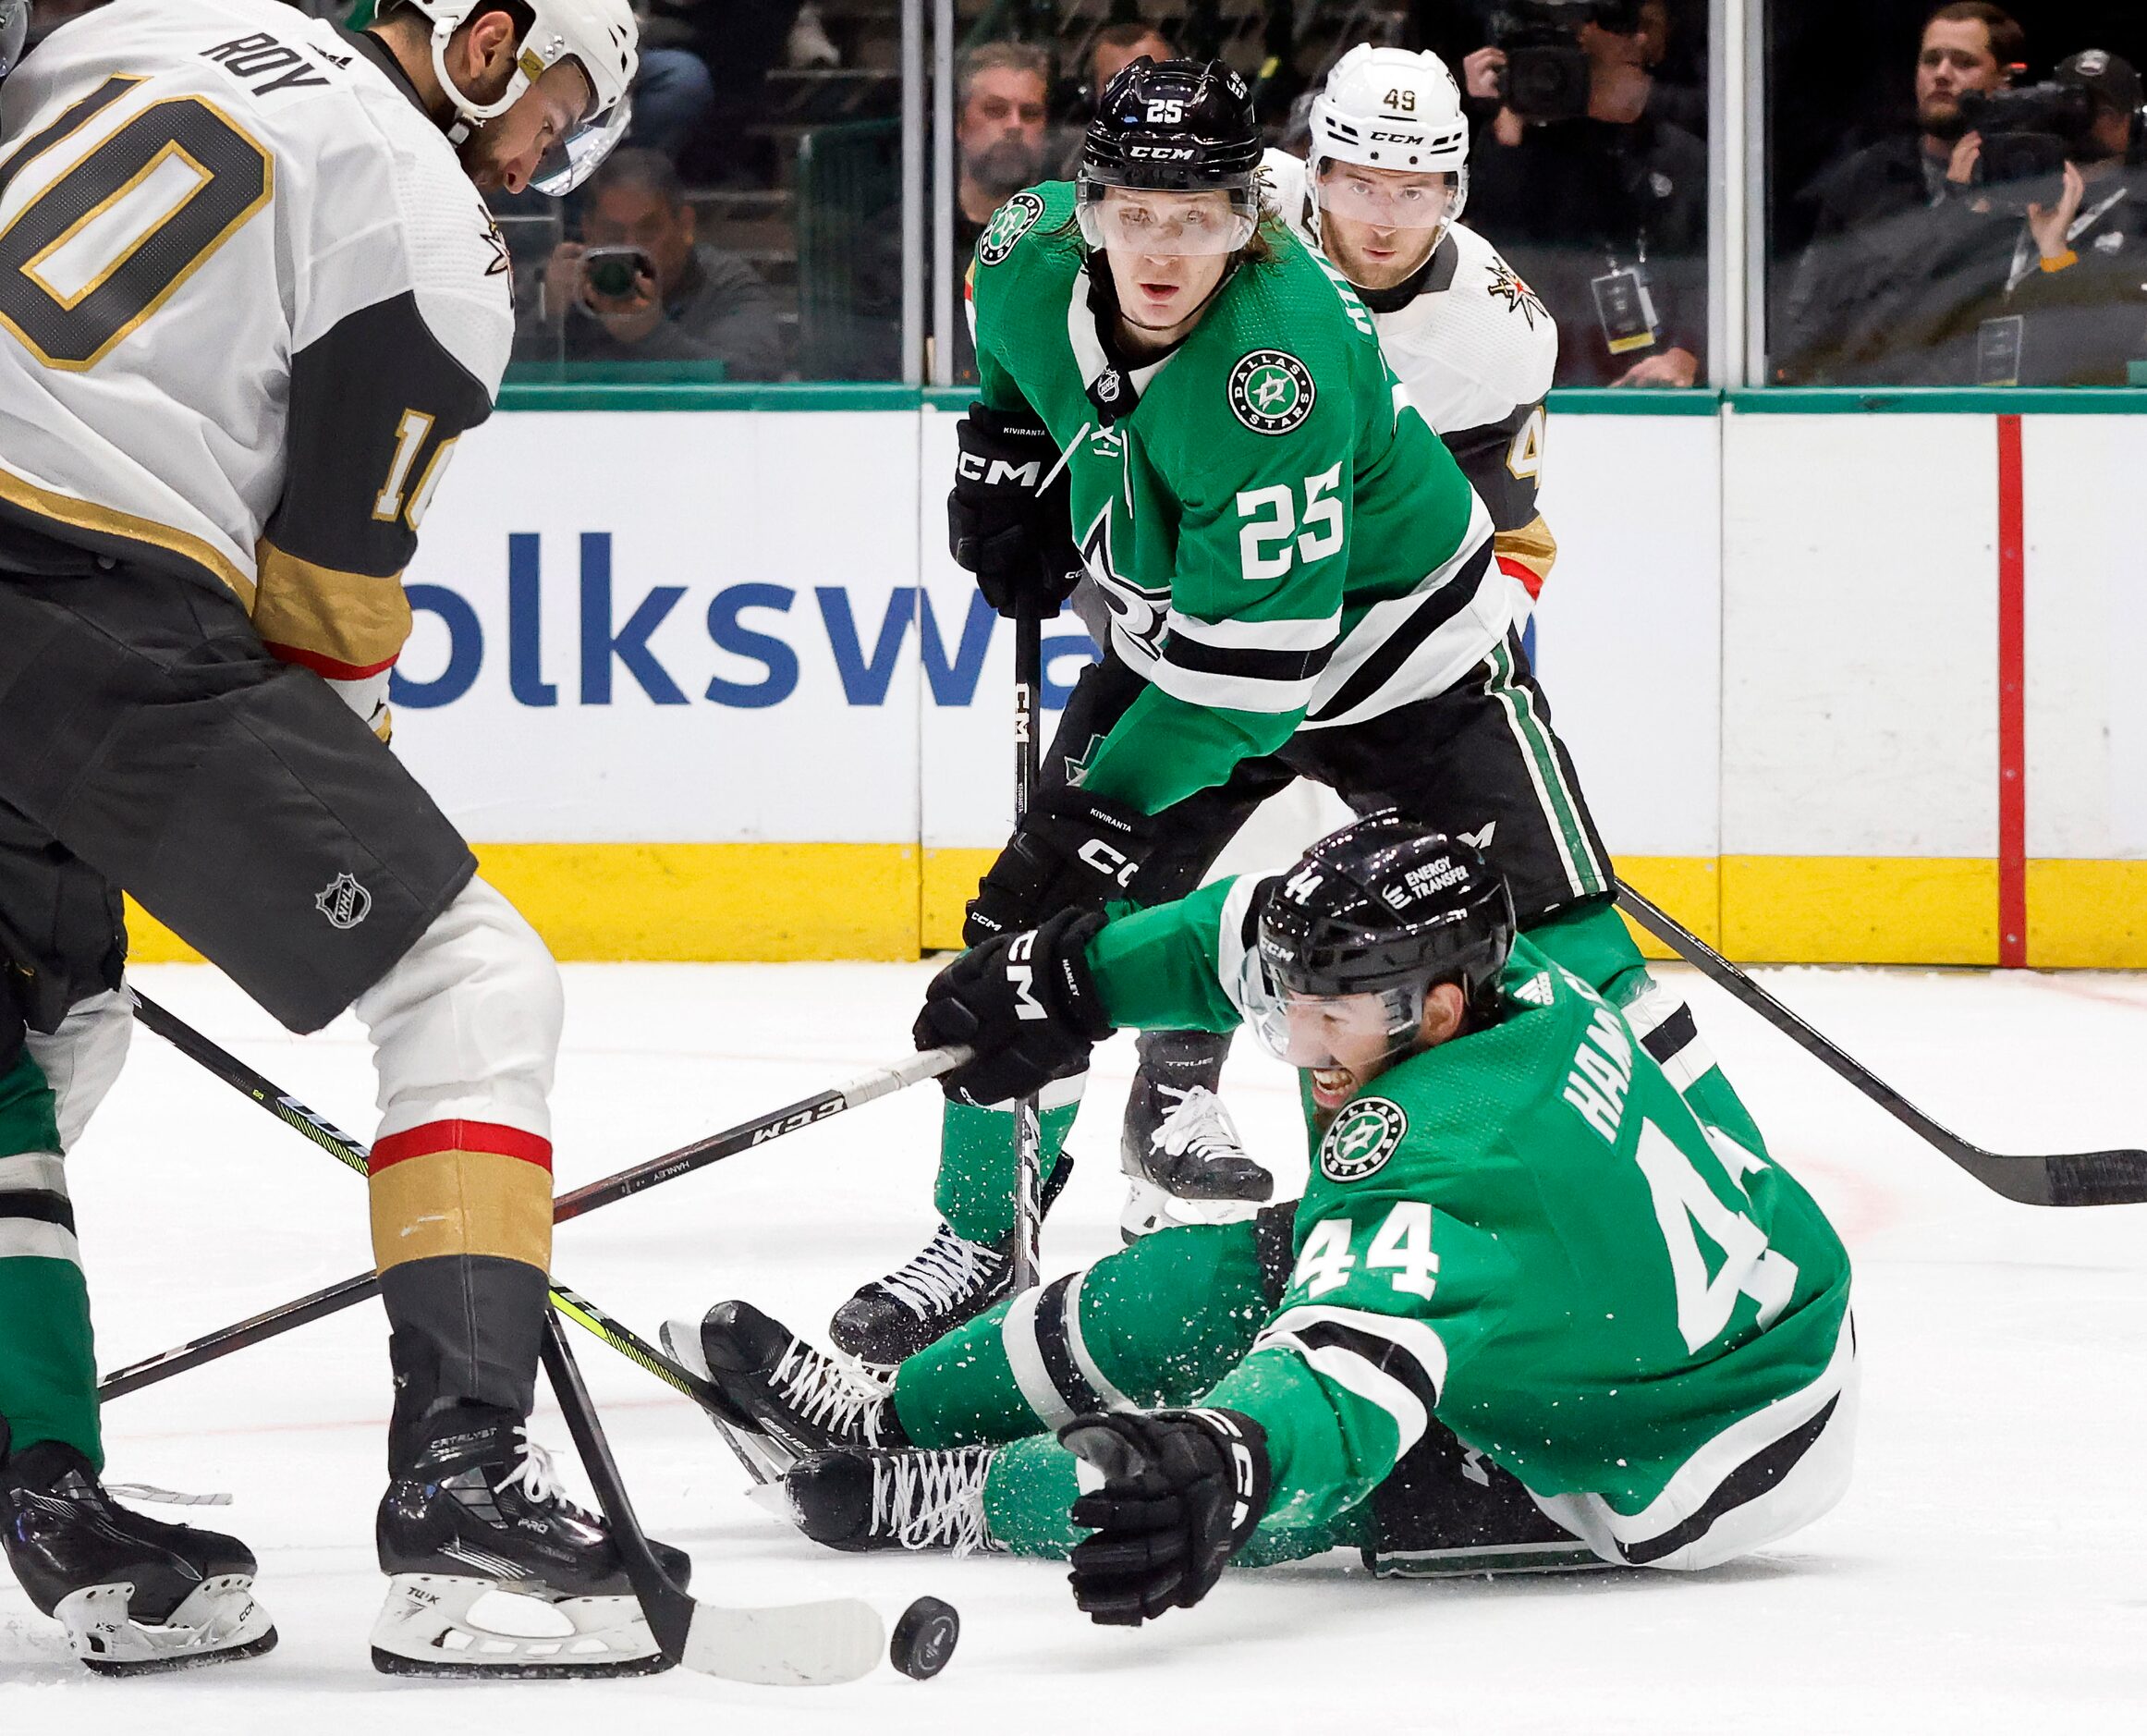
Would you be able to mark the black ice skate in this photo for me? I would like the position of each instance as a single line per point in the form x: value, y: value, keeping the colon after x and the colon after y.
x: 1183, y: 1160
x: 134, y: 1594
x: 482, y: 1510
x: 859, y: 1498
x: 949, y: 1280
x: 799, y: 1399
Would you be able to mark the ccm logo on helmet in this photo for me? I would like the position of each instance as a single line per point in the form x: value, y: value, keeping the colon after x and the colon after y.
x: 1162, y: 154
x: 1398, y: 138
x: 999, y: 472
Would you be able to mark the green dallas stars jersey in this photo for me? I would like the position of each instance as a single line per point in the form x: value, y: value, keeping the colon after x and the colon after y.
x: 1282, y: 539
x: 1526, y: 1233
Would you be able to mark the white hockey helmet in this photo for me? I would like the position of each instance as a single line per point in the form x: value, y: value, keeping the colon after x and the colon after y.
x: 1386, y: 108
x: 601, y: 37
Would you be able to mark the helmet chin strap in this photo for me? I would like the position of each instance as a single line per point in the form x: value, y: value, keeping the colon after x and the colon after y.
x: 469, y: 114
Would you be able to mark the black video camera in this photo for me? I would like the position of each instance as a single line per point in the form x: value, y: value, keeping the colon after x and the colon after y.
x: 1545, y: 76
x: 2028, y: 135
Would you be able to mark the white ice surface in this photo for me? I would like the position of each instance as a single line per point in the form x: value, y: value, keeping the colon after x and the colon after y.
x: 1986, y: 1573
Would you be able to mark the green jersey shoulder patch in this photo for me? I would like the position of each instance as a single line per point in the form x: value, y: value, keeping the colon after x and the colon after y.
x: 1272, y: 391
x: 1362, y: 1139
x: 1008, y: 224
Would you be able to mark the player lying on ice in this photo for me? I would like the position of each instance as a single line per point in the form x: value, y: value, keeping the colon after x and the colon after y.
x: 1301, y: 582
x: 1531, y: 1312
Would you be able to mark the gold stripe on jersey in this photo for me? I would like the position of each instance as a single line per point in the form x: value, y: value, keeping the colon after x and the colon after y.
x: 1531, y: 547
x: 67, y: 512
x: 343, y: 625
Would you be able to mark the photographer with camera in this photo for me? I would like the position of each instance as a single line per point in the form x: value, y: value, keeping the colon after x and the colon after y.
x: 638, y: 288
x: 1877, y: 296
x: 1599, y: 202
x: 2074, y: 308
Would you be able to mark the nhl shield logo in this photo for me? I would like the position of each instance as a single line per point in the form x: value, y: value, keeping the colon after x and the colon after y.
x: 344, y: 902
x: 1362, y: 1137
x: 1271, y: 392
x: 1008, y: 224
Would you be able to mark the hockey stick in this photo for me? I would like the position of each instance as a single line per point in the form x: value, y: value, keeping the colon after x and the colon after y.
x: 2091, y: 1178
x: 867, y: 1087
x: 352, y: 1154
x: 1028, y: 1113
x: 837, y: 1639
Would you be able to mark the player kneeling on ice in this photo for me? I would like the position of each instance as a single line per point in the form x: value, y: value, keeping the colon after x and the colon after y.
x: 219, y: 448
x: 1531, y: 1312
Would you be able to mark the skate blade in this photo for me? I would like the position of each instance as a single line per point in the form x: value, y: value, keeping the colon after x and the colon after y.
x: 218, y: 1623
x: 426, y: 1628
x: 1151, y: 1208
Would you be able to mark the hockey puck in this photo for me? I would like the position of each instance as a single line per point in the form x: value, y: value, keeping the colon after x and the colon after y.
x: 924, y: 1638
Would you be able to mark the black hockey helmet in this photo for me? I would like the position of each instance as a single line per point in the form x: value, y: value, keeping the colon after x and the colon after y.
x: 1174, y: 126
x: 1385, y: 904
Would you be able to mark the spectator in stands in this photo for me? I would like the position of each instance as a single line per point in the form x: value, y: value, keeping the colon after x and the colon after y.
x: 1604, y: 215
x: 1001, y: 92
x: 1875, y: 296
x: 687, y: 303
x: 674, y: 92
x: 2074, y: 308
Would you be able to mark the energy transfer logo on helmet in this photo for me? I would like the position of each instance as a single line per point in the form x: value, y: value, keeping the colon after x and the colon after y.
x: 1362, y: 1137
x: 1008, y: 224
x: 1271, y: 392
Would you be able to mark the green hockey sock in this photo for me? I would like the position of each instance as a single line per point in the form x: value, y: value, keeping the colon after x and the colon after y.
x: 1155, y: 1324
x: 976, y: 1161
x: 48, y: 1366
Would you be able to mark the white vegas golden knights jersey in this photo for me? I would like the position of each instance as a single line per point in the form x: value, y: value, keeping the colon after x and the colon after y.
x: 1476, y: 349
x: 247, y: 302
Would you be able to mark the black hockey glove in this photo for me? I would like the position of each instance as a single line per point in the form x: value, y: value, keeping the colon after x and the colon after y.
x: 1012, y: 536
x: 1026, y: 1003
x: 1071, y: 851
x: 1182, y: 1491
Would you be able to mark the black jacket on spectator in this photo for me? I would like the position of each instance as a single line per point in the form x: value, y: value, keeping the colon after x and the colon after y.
x: 720, y: 311
x: 1898, y: 268
x: 2082, y: 325
x: 1575, y: 200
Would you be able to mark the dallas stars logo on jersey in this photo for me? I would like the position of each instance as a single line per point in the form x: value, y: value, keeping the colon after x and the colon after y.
x: 1363, y: 1137
x: 1008, y: 224
x: 1272, y: 391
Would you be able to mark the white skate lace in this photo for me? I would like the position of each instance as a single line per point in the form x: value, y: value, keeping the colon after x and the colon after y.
x: 1197, y: 1123
x: 822, y: 1391
x: 929, y: 1501
x: 945, y: 1273
x: 534, y: 1475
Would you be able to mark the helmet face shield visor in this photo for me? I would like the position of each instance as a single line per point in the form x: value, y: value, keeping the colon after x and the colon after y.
x: 1152, y: 221
x: 577, y: 156
x: 1353, y: 1030
x: 1390, y: 200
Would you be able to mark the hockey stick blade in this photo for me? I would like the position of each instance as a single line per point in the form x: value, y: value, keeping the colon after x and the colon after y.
x: 811, y: 1644
x: 2087, y: 1177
